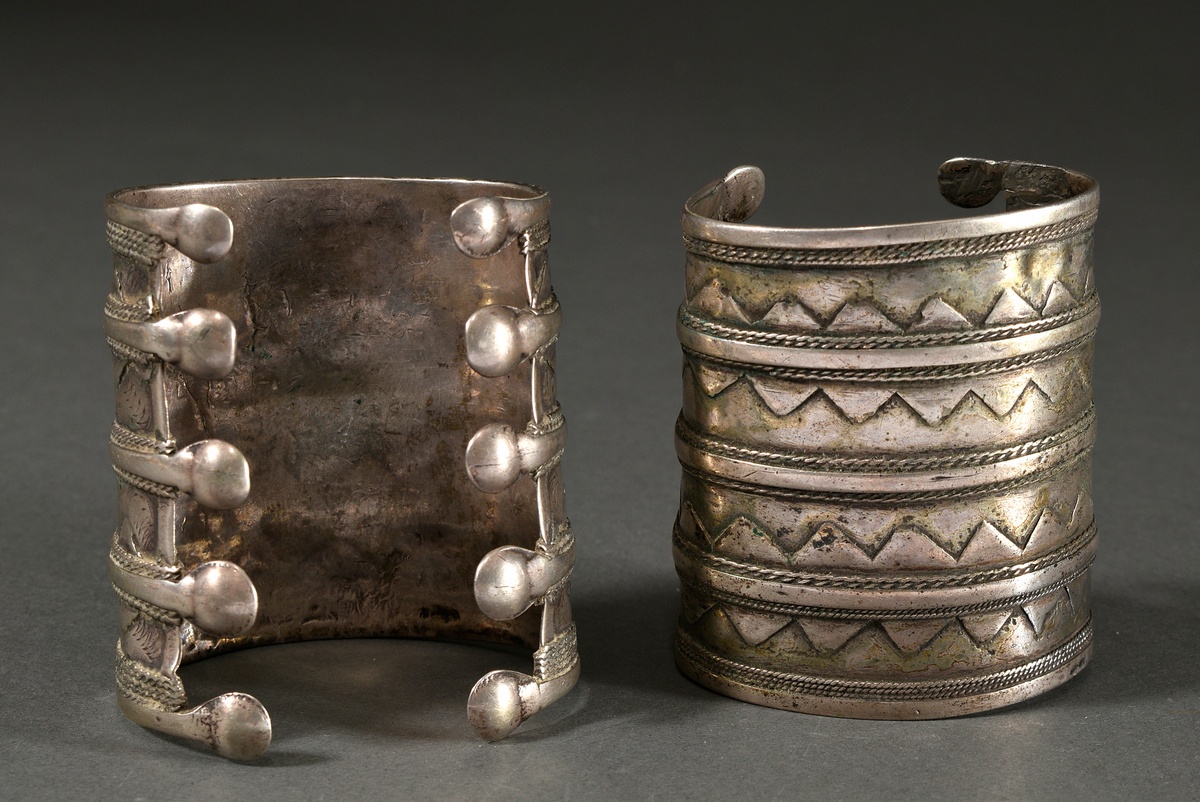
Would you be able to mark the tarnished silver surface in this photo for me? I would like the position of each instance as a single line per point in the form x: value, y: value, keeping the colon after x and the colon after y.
x: 336, y: 417
x: 886, y: 440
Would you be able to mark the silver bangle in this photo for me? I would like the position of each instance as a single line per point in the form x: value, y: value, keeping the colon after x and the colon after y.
x: 886, y: 440
x: 335, y: 405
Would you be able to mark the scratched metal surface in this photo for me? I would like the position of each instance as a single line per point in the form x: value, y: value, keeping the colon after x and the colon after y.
x: 353, y: 412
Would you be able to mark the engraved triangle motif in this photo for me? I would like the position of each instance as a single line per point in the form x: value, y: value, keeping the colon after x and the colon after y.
x: 911, y: 548
x: 987, y: 545
x: 984, y: 627
x: 714, y: 300
x: 937, y: 315
x: 782, y: 397
x: 934, y: 403
x: 713, y: 380
x: 1003, y: 397
x: 1039, y: 611
x: 862, y: 317
x: 1010, y: 308
x: 913, y: 636
x: 859, y: 403
x: 791, y: 317
x: 691, y: 527
x: 743, y: 539
x: 829, y: 635
x: 901, y: 545
x: 1059, y: 299
x: 932, y: 406
x: 755, y: 627
x: 830, y: 546
x: 693, y: 608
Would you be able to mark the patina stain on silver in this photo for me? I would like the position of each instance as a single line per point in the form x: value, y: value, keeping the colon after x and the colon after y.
x: 335, y: 417
x: 886, y: 438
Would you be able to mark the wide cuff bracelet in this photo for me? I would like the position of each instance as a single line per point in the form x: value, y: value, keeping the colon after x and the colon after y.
x: 335, y: 417
x: 886, y: 440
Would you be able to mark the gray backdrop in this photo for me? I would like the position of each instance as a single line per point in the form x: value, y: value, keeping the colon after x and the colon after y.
x: 621, y: 112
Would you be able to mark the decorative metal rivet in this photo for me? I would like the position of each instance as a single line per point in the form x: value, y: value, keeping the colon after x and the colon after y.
x: 509, y: 580
x: 202, y: 342
x: 482, y: 226
x: 201, y: 232
x: 497, y: 454
x: 499, y: 337
x: 216, y: 596
x: 213, y: 471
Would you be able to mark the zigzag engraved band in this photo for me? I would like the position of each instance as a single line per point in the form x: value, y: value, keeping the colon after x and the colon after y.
x: 690, y: 650
x: 1076, y: 553
x: 850, y: 342
x: 905, y: 253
